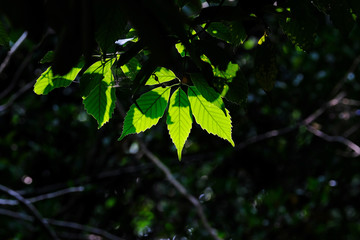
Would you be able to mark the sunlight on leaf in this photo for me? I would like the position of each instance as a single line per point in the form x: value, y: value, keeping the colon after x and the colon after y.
x: 161, y: 75
x: 152, y: 107
x: 179, y: 119
x: 99, y: 96
x: 48, y: 82
x: 207, y: 92
x: 210, y: 117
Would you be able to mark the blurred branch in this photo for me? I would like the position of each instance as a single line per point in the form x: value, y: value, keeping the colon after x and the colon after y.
x: 12, y: 51
x: 83, y: 228
x: 312, y: 117
x: 339, y: 139
x: 44, y: 196
x: 352, y: 68
x: 170, y: 177
x: 64, y: 224
x: 27, y: 204
x: 264, y: 136
x: 16, y: 95
x: 306, y: 122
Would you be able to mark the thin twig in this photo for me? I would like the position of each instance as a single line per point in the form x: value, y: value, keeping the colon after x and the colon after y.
x: 170, y: 177
x: 352, y: 68
x: 83, y: 228
x: 339, y: 139
x: 43, y: 196
x: 278, y: 132
x: 63, y: 224
x: 16, y: 95
x: 178, y: 186
x: 12, y: 51
x: 28, y: 205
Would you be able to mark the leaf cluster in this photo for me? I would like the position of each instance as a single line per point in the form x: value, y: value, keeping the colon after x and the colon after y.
x: 187, y: 51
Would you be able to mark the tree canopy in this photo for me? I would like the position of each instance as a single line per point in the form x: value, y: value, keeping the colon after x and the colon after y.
x: 275, y: 81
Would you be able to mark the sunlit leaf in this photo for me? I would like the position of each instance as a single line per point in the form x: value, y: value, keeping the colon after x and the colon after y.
x: 181, y: 49
x: 152, y: 107
x: 229, y: 73
x: 48, y: 81
x: 99, y: 96
x: 207, y: 92
x: 131, y: 68
x: 179, y: 119
x: 161, y: 75
x: 210, y: 117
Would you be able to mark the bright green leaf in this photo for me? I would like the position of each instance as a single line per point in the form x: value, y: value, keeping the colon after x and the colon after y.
x: 207, y: 92
x: 131, y: 68
x: 181, y: 49
x: 230, y: 72
x: 100, y: 103
x: 161, y: 75
x: 210, y: 117
x: 152, y: 107
x: 99, y: 95
x: 179, y: 119
x: 48, y: 82
x: 94, y: 75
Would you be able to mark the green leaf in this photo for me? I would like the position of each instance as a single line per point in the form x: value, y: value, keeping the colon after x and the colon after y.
x: 101, y: 103
x: 231, y: 32
x: 210, y: 117
x: 161, y: 75
x: 99, y: 95
x: 301, y: 25
x: 229, y: 73
x: 94, y: 75
x: 131, y: 68
x: 48, y: 58
x: 207, y: 92
x: 265, y: 66
x: 152, y: 107
x: 179, y: 119
x: 238, y: 89
x: 48, y: 81
x: 181, y: 49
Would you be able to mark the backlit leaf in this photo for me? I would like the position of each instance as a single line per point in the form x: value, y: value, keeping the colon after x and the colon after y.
x: 48, y: 81
x: 207, y: 92
x: 161, y: 75
x: 152, y: 107
x: 179, y: 119
x: 99, y: 95
x: 210, y: 117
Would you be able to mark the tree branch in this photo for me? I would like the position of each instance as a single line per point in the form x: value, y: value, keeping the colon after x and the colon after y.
x: 308, y: 120
x: 64, y: 224
x: 12, y: 51
x: 339, y: 139
x: 16, y: 95
x: 27, y: 204
x: 43, y: 196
